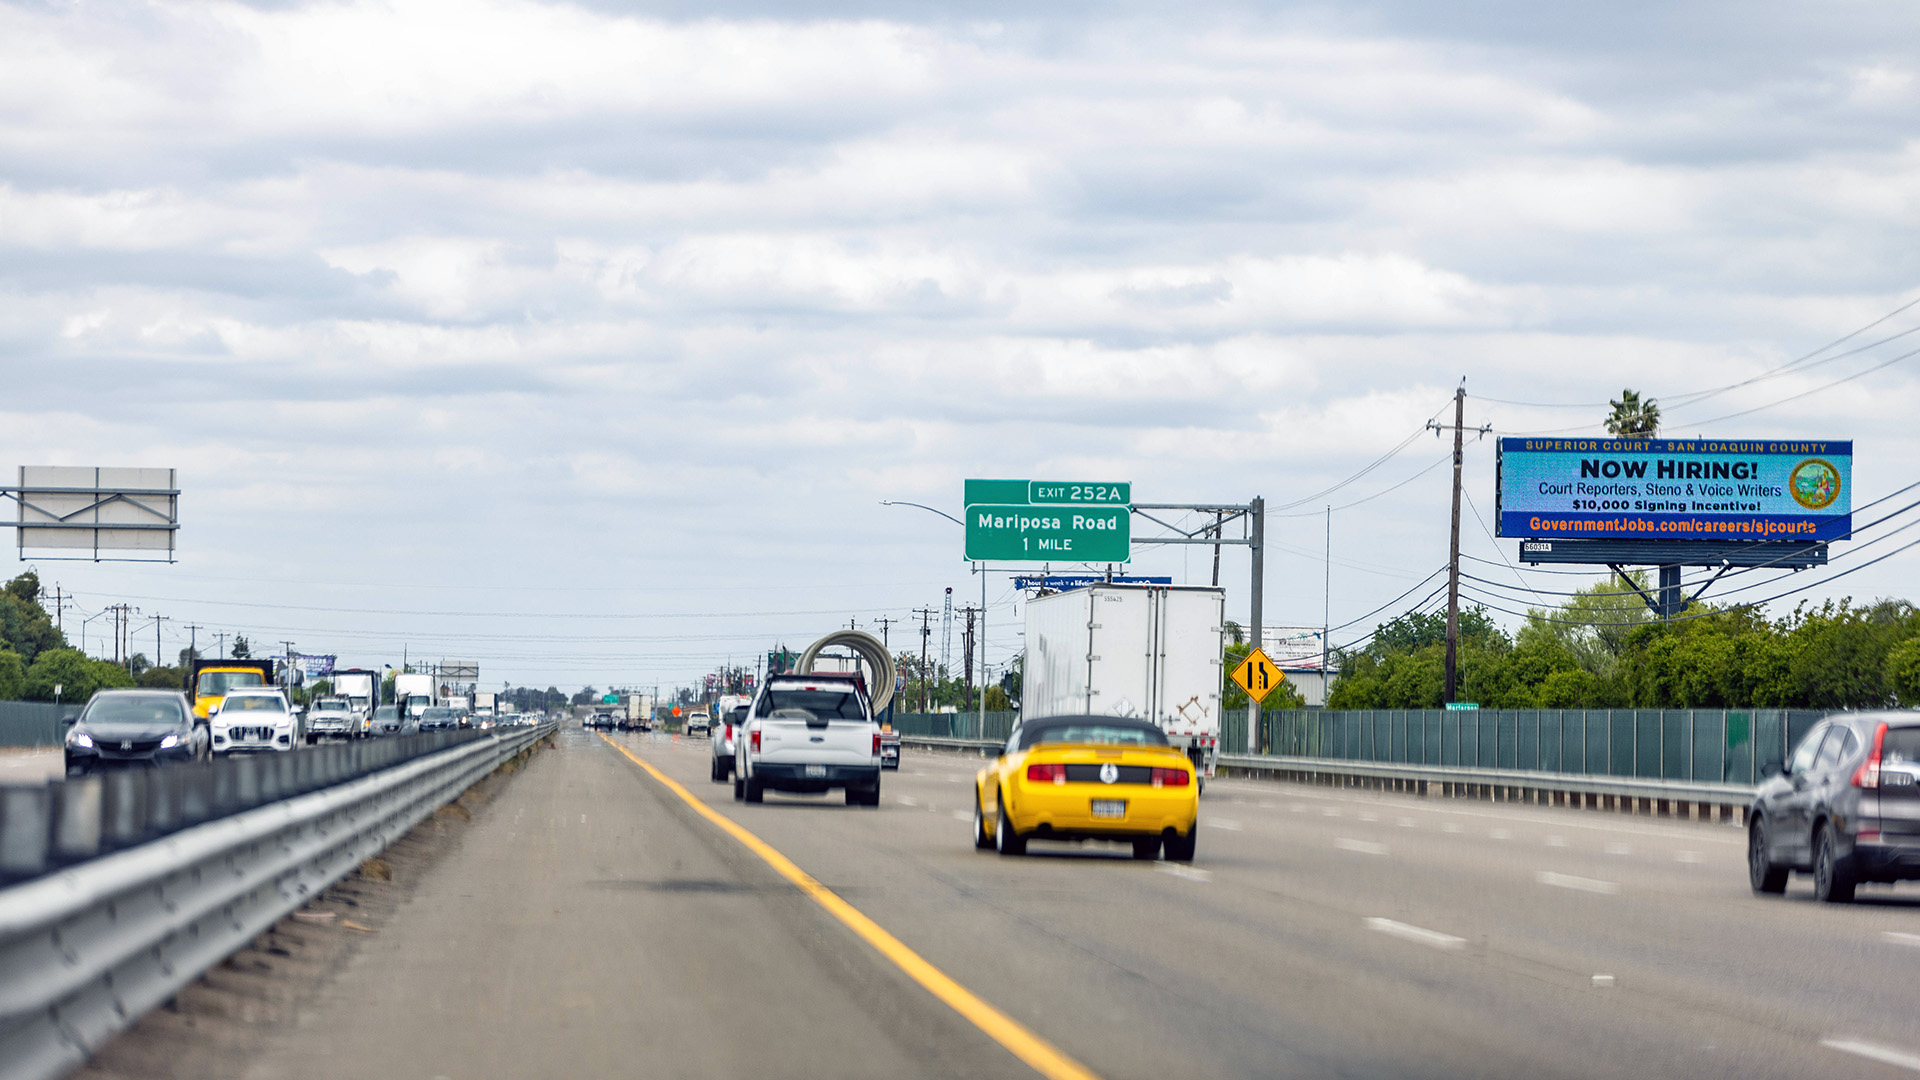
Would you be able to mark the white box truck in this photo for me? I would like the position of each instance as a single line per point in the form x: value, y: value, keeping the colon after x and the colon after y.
x: 412, y: 693
x: 1152, y: 652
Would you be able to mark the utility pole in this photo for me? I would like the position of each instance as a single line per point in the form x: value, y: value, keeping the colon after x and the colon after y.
x: 1219, y: 525
x: 926, y: 634
x: 220, y: 638
x: 193, y: 645
x: 1459, y: 426
x: 967, y: 649
x: 59, y: 606
x: 1326, y: 614
x: 157, y: 620
x: 885, y: 622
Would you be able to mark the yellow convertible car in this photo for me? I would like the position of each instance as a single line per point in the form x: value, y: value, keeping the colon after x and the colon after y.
x: 1088, y: 778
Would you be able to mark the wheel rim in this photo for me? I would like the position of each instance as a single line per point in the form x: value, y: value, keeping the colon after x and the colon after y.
x: 1757, y: 852
x: 1823, y: 867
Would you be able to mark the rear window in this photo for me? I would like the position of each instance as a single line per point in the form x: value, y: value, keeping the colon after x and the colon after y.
x: 812, y: 705
x: 259, y: 703
x: 1096, y: 734
x: 1901, y: 746
x: 134, y: 710
x: 738, y: 715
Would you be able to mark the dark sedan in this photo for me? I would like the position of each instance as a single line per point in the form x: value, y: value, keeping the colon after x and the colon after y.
x: 1846, y: 809
x: 134, y: 727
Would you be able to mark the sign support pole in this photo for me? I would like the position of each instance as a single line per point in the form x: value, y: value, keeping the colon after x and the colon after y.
x: 1258, y: 511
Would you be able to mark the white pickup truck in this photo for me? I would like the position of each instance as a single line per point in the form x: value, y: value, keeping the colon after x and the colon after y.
x: 333, y: 716
x: 809, y: 733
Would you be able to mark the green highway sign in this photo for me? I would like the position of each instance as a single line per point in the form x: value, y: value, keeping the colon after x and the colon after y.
x: 610, y: 699
x: 1048, y: 521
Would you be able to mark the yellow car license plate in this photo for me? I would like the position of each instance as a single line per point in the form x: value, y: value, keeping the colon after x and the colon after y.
x: 1110, y: 808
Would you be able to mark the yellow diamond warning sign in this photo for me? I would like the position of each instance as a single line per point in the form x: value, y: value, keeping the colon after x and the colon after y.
x: 1257, y: 675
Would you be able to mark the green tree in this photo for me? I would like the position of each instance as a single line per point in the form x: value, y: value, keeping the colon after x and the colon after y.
x: 1903, y: 671
x: 77, y: 674
x: 1633, y: 418
x: 13, y: 675
x: 25, y: 626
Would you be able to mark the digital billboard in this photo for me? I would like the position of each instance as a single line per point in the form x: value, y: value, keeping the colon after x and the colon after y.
x: 1675, y: 489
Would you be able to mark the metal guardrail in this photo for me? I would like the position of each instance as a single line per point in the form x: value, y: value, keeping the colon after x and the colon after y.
x: 86, y: 950
x: 1729, y: 801
x: 1609, y: 792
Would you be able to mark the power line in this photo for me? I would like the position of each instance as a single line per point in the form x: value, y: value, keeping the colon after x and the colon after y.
x: 1695, y: 396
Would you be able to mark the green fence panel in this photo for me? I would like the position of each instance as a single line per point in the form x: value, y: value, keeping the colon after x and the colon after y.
x: 33, y: 723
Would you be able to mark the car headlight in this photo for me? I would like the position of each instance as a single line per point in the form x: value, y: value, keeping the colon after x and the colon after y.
x: 169, y: 742
x: 79, y: 738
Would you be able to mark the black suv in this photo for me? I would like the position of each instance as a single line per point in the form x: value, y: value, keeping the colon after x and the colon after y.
x: 1846, y: 808
x: 135, y: 727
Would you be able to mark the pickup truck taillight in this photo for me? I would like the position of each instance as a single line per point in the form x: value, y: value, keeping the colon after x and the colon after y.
x: 754, y: 740
x: 876, y: 744
x: 1868, y: 774
x: 1047, y: 773
x: 1170, y: 777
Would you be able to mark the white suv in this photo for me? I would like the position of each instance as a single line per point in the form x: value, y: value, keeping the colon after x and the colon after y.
x: 255, y: 718
x: 809, y: 733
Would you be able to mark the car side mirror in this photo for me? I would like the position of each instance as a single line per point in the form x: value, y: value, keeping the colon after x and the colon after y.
x: 70, y: 719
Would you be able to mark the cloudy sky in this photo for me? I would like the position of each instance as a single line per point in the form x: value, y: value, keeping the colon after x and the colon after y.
x: 586, y: 339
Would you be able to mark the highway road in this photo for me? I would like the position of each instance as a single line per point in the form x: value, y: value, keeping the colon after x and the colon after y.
x: 594, y: 923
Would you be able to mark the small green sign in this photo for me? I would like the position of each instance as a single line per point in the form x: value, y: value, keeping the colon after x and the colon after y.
x: 1048, y: 521
x: 1462, y: 706
x: 609, y: 699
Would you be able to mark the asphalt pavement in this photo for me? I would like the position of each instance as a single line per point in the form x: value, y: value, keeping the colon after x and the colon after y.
x: 592, y: 923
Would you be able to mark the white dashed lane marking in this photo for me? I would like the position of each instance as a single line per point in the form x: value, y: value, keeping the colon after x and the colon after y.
x: 1181, y: 870
x: 1580, y: 884
x: 1419, y: 935
x: 1886, y: 1055
x: 1363, y: 847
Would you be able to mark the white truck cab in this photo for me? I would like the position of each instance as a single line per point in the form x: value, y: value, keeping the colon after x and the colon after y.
x: 809, y: 733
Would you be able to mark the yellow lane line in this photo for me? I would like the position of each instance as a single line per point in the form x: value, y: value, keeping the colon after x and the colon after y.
x: 1045, y: 1058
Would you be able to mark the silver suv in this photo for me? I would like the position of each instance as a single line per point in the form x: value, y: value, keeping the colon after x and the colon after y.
x: 723, y: 732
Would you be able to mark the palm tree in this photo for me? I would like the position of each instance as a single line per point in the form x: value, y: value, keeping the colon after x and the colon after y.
x: 1632, y: 418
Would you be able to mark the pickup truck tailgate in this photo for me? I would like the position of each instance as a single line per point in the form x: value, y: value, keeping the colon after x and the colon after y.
x: 836, y: 742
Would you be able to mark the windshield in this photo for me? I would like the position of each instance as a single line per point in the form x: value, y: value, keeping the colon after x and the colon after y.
x: 813, y: 705
x: 253, y: 703
x: 134, y: 710
x: 385, y: 711
x: 437, y: 713
x: 1096, y: 734
x: 330, y: 706
x: 217, y: 683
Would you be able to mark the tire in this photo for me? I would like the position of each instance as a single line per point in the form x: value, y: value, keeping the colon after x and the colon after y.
x: 1833, y: 876
x: 719, y: 773
x: 873, y: 794
x: 1005, y: 840
x: 1762, y: 873
x: 739, y: 788
x: 1146, y: 848
x: 856, y: 797
x: 755, y: 792
x: 982, y: 839
x: 1180, y: 848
